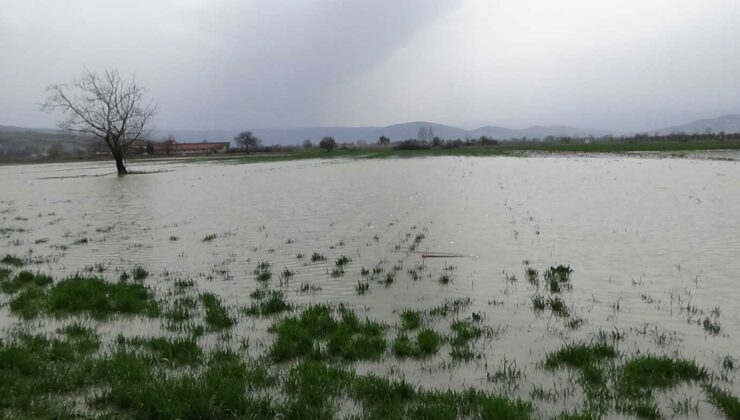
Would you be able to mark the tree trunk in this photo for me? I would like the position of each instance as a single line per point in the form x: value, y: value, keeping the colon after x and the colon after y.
x: 120, y: 166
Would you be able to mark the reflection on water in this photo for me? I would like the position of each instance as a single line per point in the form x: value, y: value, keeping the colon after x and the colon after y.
x: 644, y: 237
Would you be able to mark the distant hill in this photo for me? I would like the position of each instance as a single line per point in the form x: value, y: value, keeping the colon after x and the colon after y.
x: 38, y: 140
x: 396, y: 132
x: 726, y: 123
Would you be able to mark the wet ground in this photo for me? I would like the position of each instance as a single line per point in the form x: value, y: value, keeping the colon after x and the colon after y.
x: 652, y: 242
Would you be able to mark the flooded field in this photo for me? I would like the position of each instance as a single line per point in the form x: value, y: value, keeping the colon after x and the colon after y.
x: 591, y: 285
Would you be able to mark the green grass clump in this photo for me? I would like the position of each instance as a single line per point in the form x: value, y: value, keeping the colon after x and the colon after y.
x: 727, y: 403
x: 176, y: 351
x: 384, y: 398
x: 85, y: 295
x: 450, y: 306
x: 223, y: 389
x: 533, y: 277
x: 661, y: 372
x: 462, y: 333
x: 362, y: 287
x: 262, y: 271
x: 23, y: 280
x: 539, y: 303
x: 311, y: 387
x: 561, y: 273
x: 12, y: 260
x: 217, y: 315
x: 210, y: 237
x: 342, y: 261
x: 139, y: 273
x: 34, y: 366
x: 318, y: 334
x: 444, y: 279
x: 182, y: 309
x: 580, y: 355
x: 711, y: 326
x: 316, y: 257
x: 410, y: 319
x: 269, y: 302
x: 426, y: 344
x: 558, y: 307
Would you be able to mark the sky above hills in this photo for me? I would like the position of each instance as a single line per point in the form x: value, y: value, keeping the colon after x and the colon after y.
x: 617, y: 65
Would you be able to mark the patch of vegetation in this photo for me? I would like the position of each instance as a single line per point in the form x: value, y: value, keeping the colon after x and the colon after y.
x: 533, y: 277
x: 221, y: 390
x: 182, y: 309
x: 12, y: 260
x: 85, y: 295
x: 318, y: 334
x: 580, y: 355
x: 342, y: 261
x: 176, y: 351
x: 362, y: 287
x: 711, y: 326
x: 81, y: 241
x: 727, y: 403
x: 316, y: 257
x: 262, y: 271
x: 390, y: 277
x: 410, y: 319
x: 139, y: 273
x: 444, y: 279
x: 426, y: 344
x: 448, y: 307
x: 561, y: 273
x: 558, y: 307
x: 462, y: 333
x: 269, y: 302
x: 22, y: 280
x: 34, y: 366
x: 649, y: 372
x: 217, y: 315
x: 539, y: 303
x: 210, y: 237
x: 287, y: 274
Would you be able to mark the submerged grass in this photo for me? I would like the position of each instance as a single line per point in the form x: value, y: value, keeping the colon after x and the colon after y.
x: 269, y: 302
x: 579, y: 355
x: 427, y: 343
x: 85, y: 295
x: 217, y: 315
x: 12, y: 260
x: 318, y: 334
x: 725, y: 402
x: 22, y: 280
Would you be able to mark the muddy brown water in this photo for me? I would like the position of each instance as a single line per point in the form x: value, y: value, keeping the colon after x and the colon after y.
x: 646, y: 237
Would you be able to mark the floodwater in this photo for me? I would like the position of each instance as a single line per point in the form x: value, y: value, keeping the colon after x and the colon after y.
x: 654, y: 245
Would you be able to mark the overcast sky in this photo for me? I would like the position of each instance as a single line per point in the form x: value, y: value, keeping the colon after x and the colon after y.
x: 233, y: 64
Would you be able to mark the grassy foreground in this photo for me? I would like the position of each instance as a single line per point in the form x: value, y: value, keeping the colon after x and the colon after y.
x: 58, y: 359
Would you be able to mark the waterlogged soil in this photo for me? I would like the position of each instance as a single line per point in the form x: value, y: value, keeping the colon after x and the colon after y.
x: 652, y: 244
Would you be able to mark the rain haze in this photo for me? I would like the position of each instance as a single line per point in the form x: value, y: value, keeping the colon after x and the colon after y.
x: 612, y: 65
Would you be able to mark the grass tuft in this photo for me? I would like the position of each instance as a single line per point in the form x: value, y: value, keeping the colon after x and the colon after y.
x: 217, y: 316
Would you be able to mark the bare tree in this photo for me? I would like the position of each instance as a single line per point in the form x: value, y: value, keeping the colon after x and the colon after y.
x: 247, y: 140
x: 104, y: 107
x: 328, y: 143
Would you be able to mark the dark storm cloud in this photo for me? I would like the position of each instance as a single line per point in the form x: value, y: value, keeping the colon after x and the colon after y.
x: 242, y: 64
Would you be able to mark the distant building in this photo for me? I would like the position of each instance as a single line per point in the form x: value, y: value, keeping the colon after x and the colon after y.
x: 171, y: 147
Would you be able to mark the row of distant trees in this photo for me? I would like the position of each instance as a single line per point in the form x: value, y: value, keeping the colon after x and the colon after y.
x: 115, y: 113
